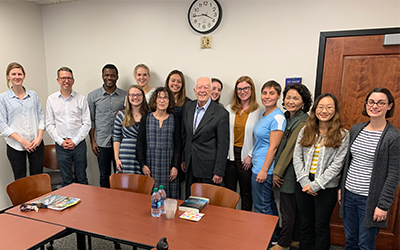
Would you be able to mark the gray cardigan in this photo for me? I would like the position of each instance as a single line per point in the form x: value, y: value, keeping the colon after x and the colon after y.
x: 330, y: 163
x: 385, y: 173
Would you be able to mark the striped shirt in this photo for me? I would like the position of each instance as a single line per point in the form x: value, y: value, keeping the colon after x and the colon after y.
x: 315, y: 158
x: 363, y: 153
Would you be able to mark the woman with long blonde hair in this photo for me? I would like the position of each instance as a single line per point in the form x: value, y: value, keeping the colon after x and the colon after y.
x: 142, y: 75
x: 126, y: 127
x: 244, y: 113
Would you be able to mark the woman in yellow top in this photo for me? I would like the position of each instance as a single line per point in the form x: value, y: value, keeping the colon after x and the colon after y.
x: 243, y: 115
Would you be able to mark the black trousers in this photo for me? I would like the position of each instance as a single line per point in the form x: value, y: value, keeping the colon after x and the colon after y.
x: 315, y: 214
x: 234, y: 172
x: 190, y: 179
x: 18, y: 161
x: 290, y: 218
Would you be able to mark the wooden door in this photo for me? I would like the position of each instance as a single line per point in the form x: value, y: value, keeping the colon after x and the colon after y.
x: 350, y: 65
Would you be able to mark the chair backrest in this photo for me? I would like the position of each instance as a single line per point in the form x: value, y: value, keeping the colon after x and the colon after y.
x: 50, y: 157
x: 132, y: 182
x: 218, y: 196
x: 28, y: 188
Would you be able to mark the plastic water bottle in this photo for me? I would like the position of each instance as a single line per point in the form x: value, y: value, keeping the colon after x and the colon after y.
x: 155, y: 203
x: 163, y: 196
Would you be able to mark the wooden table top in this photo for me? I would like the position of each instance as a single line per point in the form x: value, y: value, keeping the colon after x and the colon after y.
x: 22, y: 233
x: 126, y: 216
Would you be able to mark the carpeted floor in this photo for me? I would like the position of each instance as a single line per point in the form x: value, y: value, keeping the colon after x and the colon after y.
x: 69, y: 243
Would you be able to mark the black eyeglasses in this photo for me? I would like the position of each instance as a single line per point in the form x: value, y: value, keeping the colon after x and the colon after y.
x: 66, y: 79
x: 244, y: 89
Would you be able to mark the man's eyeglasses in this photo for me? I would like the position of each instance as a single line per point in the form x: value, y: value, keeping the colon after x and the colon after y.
x: 66, y: 79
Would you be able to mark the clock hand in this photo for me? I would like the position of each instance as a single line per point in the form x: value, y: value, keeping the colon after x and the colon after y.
x: 207, y: 15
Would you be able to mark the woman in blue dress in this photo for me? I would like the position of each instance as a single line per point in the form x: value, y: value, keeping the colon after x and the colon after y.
x: 159, y: 143
x: 126, y: 128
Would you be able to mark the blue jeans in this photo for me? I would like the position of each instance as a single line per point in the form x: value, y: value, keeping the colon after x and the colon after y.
x: 76, y: 157
x: 357, y: 236
x: 105, y: 159
x: 263, y: 198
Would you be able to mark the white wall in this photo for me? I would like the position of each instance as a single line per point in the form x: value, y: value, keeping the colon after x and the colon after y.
x: 21, y: 40
x: 262, y: 39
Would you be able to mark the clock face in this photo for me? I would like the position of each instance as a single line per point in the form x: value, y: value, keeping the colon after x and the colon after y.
x: 204, y: 16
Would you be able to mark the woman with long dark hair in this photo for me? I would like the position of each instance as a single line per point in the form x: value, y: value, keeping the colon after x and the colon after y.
x: 371, y: 172
x: 318, y: 159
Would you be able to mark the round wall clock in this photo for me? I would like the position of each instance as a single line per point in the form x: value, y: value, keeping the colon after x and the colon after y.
x: 204, y: 16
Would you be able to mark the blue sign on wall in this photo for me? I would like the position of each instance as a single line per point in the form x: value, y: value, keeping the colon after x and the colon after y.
x: 293, y: 80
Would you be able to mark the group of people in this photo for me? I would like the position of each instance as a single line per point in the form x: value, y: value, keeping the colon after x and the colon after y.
x: 159, y: 132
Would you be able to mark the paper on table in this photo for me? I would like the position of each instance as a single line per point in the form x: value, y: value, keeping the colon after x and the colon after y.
x: 189, y: 215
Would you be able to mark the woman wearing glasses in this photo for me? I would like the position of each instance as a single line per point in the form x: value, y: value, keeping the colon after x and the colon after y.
x: 159, y: 142
x: 318, y: 159
x: 371, y: 172
x: 244, y: 113
x: 126, y: 127
x: 21, y: 124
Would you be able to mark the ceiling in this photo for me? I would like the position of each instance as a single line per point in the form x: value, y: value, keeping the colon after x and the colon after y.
x: 44, y: 2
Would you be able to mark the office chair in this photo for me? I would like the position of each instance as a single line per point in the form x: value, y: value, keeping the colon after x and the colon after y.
x: 132, y: 182
x: 51, y: 166
x: 28, y: 188
x: 219, y: 196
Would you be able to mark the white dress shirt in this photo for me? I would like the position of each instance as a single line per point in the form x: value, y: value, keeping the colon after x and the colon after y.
x: 67, y: 117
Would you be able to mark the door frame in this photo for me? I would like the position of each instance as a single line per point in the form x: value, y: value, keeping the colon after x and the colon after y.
x: 329, y: 34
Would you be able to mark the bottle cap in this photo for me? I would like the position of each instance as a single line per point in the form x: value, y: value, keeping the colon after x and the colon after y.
x: 155, y: 190
x: 161, y: 187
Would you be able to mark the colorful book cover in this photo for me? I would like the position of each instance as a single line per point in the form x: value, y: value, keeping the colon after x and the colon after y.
x: 57, y: 202
x: 189, y: 215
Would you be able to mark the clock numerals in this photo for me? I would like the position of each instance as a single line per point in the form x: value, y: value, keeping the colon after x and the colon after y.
x: 204, y: 16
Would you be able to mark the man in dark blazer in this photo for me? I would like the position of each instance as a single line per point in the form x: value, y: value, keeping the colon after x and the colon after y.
x: 205, y: 138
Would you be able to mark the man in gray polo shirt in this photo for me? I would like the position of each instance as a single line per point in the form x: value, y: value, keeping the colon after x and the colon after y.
x: 104, y: 103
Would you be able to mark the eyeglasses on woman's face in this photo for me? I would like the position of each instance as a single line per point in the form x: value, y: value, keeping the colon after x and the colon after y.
x: 243, y: 89
x: 379, y: 103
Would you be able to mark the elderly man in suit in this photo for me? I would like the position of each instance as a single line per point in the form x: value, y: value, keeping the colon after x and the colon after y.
x: 205, y: 137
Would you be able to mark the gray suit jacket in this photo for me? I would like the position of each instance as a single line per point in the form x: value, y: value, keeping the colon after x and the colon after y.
x: 206, y: 150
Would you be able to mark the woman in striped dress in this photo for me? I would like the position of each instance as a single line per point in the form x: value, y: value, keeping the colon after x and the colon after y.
x: 371, y: 172
x: 318, y: 159
x: 159, y: 143
x: 126, y: 128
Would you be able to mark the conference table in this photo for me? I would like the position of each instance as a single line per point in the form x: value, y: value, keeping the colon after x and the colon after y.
x: 125, y: 217
x: 20, y: 233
